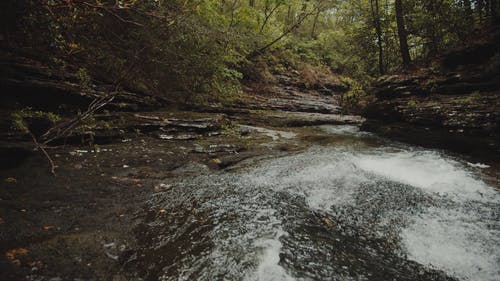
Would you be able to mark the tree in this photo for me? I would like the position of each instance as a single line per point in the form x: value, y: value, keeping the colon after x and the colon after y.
x: 403, y: 36
x: 375, y: 9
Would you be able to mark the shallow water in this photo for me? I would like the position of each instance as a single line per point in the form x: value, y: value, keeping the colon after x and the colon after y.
x: 359, y: 210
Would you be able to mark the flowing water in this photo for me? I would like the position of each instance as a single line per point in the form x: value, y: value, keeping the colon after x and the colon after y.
x: 359, y: 208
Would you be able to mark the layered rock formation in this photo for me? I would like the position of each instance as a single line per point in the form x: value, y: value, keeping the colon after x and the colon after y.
x: 455, y: 105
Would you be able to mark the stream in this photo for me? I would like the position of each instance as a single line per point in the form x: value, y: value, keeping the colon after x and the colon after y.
x: 357, y: 207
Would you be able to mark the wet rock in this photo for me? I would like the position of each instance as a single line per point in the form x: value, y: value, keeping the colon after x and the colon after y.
x: 192, y: 168
x: 178, y: 137
x: 213, y: 148
x: 13, y: 155
x: 299, y: 119
x: 162, y: 187
x: 274, y: 134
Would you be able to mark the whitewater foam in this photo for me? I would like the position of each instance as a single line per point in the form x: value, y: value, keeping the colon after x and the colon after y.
x: 456, y: 241
x: 429, y: 171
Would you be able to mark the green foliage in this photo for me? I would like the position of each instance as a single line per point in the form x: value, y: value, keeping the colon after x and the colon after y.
x: 353, y: 99
x: 84, y: 79
x: 19, y: 118
x: 472, y: 98
x: 197, y: 51
x: 412, y: 104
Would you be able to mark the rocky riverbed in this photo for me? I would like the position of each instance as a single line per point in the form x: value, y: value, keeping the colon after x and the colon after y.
x: 286, y: 188
x: 84, y: 223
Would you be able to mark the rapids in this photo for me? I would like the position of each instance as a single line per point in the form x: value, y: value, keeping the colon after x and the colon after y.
x: 361, y: 209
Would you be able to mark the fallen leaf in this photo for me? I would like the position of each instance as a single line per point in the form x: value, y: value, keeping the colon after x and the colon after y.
x: 2, y: 221
x: 216, y: 161
x: 125, y: 180
x: 10, y: 180
x: 328, y: 222
x: 48, y: 227
x: 13, y: 253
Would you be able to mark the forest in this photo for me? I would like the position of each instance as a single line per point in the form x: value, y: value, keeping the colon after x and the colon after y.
x: 256, y: 140
x: 196, y: 50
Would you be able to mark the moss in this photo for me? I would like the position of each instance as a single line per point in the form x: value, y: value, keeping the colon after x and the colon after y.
x: 106, y: 125
x: 122, y: 105
x: 412, y: 104
x: 474, y: 97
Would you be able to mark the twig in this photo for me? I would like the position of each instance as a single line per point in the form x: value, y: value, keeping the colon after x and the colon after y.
x: 111, y: 12
x: 261, y: 50
x: 41, y: 148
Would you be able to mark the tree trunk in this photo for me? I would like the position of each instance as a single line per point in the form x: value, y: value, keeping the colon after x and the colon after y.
x: 222, y: 6
x: 315, y: 23
x: 480, y: 10
x: 378, y: 28
x: 431, y: 29
x: 468, y: 11
x: 487, y: 5
x: 403, y: 36
x: 268, y: 12
x: 494, y: 11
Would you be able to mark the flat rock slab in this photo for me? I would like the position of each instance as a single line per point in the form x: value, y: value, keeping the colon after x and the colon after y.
x: 298, y: 102
x: 109, y: 128
x: 274, y: 134
x: 299, y: 119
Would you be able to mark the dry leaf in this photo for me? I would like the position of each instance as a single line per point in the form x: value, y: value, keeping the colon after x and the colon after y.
x: 124, y: 180
x: 13, y: 253
x: 10, y: 180
x: 328, y: 222
x: 48, y: 227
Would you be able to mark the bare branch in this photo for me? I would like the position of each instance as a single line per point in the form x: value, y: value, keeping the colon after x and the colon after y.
x: 42, y: 149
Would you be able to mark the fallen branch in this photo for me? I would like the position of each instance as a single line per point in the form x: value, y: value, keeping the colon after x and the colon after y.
x: 65, y: 128
x: 42, y: 149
